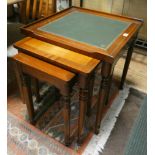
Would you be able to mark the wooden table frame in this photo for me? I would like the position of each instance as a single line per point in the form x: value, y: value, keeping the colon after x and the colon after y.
x: 85, y: 72
x: 108, y: 57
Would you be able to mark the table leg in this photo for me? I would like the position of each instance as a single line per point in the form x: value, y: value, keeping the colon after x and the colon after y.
x: 27, y: 93
x: 24, y: 82
x: 90, y: 93
x: 18, y: 72
x: 108, y: 91
x: 66, y: 115
x: 127, y: 63
x: 83, y: 98
x: 106, y: 72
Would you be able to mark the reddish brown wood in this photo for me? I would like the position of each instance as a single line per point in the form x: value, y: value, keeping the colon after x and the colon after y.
x: 18, y: 72
x: 106, y: 72
x: 80, y: 64
x: 28, y: 96
x: 90, y: 93
x: 127, y: 62
x: 58, y: 56
x: 83, y: 100
x: 108, y: 55
x: 64, y: 80
x: 24, y: 82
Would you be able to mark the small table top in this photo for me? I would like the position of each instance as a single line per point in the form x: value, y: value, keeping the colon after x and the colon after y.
x: 96, y: 34
x: 56, y: 55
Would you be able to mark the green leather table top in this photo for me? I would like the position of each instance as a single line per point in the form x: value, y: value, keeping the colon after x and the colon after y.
x: 87, y: 28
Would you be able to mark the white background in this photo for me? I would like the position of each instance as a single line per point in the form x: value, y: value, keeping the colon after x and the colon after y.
x: 150, y: 81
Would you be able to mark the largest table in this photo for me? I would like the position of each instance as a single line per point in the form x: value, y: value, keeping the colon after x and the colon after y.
x: 96, y: 34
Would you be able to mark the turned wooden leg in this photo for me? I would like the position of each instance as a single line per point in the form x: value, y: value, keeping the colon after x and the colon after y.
x: 106, y: 72
x: 127, y: 63
x: 66, y: 115
x: 83, y: 99
x: 90, y: 93
x: 36, y: 89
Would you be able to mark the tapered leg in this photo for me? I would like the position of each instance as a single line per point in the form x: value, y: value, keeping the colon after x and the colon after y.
x: 127, y: 63
x: 83, y: 99
x: 90, y: 93
x: 66, y: 114
x: 18, y: 76
x: 106, y: 72
x: 24, y: 82
x: 27, y: 93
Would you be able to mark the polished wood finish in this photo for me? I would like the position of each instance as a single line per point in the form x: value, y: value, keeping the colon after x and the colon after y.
x: 24, y: 82
x: 60, y: 78
x: 61, y: 57
x: 43, y: 67
x: 108, y: 55
x: 106, y: 72
x: 90, y: 93
x: 83, y: 99
x: 127, y: 62
x: 18, y: 72
x: 80, y: 64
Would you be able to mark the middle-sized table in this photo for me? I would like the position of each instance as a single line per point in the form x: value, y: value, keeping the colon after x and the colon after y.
x: 96, y: 34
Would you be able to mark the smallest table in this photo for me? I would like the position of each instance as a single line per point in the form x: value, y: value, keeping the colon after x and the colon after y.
x: 27, y: 67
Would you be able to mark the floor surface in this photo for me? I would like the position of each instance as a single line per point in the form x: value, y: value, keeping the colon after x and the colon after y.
x: 137, y: 77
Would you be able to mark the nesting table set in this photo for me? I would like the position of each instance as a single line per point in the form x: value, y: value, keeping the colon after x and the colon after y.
x: 67, y: 47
